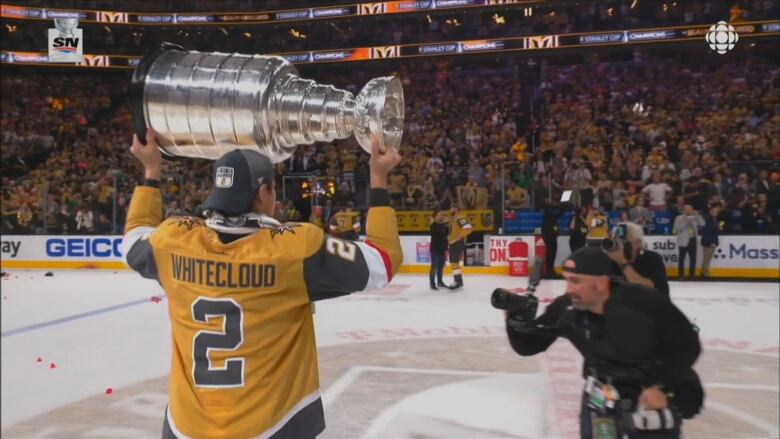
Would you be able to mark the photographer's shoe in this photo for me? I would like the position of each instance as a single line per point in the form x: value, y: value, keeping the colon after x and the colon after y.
x: 433, y: 287
x: 441, y: 285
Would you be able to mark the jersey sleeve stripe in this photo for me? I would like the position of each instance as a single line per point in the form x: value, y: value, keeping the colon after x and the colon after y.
x: 137, y: 252
x: 377, y: 256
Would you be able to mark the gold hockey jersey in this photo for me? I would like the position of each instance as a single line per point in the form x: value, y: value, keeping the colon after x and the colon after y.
x: 460, y: 228
x: 244, y: 359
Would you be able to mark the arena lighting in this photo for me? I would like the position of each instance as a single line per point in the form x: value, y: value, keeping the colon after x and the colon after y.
x: 259, y: 17
x: 550, y: 42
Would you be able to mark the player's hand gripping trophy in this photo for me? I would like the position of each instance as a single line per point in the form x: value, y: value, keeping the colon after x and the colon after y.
x: 206, y: 104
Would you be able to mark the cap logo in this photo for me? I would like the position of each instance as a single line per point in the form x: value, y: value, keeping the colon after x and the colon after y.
x: 224, y: 177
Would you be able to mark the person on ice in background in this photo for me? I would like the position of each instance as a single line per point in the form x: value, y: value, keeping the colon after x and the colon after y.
x: 345, y: 224
x: 460, y: 228
x: 240, y: 288
x: 438, y: 249
x: 686, y: 227
x: 633, y: 261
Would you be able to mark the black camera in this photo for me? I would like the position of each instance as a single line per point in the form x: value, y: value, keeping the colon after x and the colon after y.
x: 617, y: 240
x: 522, y: 306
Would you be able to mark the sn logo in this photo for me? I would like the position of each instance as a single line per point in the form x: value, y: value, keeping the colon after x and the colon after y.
x: 66, y: 42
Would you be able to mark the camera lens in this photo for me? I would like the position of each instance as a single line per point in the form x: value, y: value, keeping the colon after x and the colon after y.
x: 499, y: 299
x: 609, y: 244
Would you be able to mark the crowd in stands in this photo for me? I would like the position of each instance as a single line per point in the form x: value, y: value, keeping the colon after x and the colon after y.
x: 441, y: 25
x: 637, y: 137
x: 651, y: 137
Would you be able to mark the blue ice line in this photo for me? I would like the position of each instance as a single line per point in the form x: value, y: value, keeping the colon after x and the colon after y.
x: 80, y: 316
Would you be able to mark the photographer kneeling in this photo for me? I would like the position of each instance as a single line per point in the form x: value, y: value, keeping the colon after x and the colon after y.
x: 638, y: 347
x: 633, y: 261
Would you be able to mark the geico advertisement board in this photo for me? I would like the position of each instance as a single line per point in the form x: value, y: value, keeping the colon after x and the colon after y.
x: 107, y: 248
x: 68, y: 248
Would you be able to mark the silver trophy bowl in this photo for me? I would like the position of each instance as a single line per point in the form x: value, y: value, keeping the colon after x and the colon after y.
x: 203, y: 105
x: 66, y: 25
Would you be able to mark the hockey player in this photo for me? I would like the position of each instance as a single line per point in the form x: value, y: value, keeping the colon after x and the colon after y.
x: 240, y: 286
x: 345, y: 224
x: 460, y: 228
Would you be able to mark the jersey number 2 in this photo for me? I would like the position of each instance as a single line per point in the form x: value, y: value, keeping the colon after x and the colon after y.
x: 229, y: 339
x: 343, y: 249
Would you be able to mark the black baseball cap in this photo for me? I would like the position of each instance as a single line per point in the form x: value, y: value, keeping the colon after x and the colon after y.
x: 592, y: 261
x: 238, y: 175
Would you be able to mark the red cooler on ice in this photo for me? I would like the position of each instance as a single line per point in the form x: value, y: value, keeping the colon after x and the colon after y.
x: 518, y: 258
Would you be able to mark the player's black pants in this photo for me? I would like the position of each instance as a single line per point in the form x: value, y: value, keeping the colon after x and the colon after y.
x: 689, y: 250
x: 437, y: 268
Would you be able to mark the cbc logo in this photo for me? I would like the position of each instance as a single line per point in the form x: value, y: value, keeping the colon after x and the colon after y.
x: 721, y: 37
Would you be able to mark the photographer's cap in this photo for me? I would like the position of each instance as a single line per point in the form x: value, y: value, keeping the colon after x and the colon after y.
x: 592, y: 261
x: 238, y: 175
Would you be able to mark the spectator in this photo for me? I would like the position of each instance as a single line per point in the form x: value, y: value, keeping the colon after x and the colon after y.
x: 686, y: 228
x: 396, y: 187
x: 516, y: 196
x: 344, y: 194
x: 578, y: 229
x: 640, y: 214
x: 657, y: 192
x: 709, y: 239
x: 619, y: 195
x: 84, y: 220
x: 103, y: 225
x: 290, y: 213
x: 761, y: 184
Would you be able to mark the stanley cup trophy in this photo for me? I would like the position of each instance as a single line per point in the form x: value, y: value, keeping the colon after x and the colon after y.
x: 203, y: 105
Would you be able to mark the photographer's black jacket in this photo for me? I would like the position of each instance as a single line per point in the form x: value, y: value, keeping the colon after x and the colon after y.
x: 641, y: 339
x: 648, y: 264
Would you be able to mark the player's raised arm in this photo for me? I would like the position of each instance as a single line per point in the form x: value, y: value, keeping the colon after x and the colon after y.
x: 145, y: 211
x: 340, y: 267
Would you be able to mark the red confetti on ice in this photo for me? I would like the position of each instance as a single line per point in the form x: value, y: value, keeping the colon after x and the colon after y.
x: 156, y: 299
x: 52, y: 366
x: 109, y: 390
x: 39, y: 360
